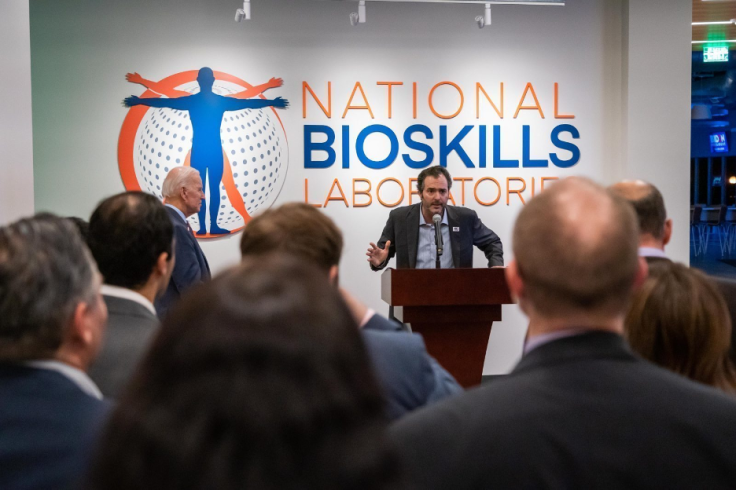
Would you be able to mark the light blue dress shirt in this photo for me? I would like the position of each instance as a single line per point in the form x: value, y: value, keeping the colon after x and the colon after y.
x: 426, y: 248
x: 178, y: 211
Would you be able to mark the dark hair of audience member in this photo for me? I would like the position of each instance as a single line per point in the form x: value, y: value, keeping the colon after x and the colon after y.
x: 127, y: 234
x: 297, y: 229
x: 257, y: 380
x: 435, y: 171
x: 82, y: 227
x: 680, y: 321
x: 45, y: 271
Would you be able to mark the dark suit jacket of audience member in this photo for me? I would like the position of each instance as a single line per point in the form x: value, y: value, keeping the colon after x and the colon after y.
x: 130, y: 329
x: 191, y: 266
x: 48, y: 427
x: 578, y: 413
x: 409, y: 376
x: 728, y: 288
x: 466, y: 230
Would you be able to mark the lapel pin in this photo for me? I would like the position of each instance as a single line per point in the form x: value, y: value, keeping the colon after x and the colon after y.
x: 455, y: 228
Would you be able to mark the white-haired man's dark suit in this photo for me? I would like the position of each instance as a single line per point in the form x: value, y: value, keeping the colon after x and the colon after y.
x: 191, y: 266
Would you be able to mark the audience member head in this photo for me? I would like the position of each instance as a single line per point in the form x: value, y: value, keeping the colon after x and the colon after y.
x: 299, y: 230
x: 575, y: 266
x: 130, y: 236
x: 679, y: 320
x: 50, y: 302
x: 655, y: 229
x: 258, y: 380
x: 182, y: 189
x: 82, y: 226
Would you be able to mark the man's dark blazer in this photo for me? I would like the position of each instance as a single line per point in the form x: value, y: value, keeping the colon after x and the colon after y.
x: 581, y: 412
x: 191, y: 266
x: 130, y: 329
x: 48, y: 428
x: 409, y: 376
x: 466, y: 230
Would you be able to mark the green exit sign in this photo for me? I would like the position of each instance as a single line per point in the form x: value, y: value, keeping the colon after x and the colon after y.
x: 713, y: 54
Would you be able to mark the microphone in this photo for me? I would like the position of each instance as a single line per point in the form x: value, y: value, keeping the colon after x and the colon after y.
x: 438, y: 234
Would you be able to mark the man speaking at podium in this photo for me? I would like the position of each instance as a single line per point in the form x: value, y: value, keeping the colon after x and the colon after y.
x: 410, y: 233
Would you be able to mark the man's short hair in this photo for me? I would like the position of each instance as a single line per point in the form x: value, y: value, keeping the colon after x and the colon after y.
x: 45, y: 272
x: 297, y: 229
x: 435, y: 171
x: 648, y: 204
x: 127, y: 234
x: 576, y: 248
x: 82, y: 226
x: 176, y: 179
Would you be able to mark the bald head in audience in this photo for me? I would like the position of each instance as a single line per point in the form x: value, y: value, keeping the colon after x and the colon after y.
x: 655, y: 229
x: 575, y: 248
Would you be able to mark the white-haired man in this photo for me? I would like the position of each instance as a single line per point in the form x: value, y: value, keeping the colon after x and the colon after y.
x: 183, y: 195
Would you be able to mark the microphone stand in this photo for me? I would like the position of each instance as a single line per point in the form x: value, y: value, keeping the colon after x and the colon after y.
x: 438, y: 243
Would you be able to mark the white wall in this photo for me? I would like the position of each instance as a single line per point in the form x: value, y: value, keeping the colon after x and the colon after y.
x: 657, y: 100
x: 601, y: 52
x: 16, y: 140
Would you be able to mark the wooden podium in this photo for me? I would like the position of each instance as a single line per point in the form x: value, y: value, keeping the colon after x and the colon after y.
x: 453, y: 309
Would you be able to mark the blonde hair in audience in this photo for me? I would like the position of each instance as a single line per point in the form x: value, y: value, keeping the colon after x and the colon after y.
x: 680, y: 321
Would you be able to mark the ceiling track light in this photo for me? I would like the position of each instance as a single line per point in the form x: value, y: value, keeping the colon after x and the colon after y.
x: 244, y: 13
x: 358, y: 17
x: 485, y: 19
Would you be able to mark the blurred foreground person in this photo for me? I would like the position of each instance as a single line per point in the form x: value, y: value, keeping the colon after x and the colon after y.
x: 409, y: 376
x: 52, y: 320
x: 257, y: 380
x: 679, y: 320
x: 580, y: 410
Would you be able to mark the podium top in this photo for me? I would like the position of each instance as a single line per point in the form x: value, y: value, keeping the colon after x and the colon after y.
x: 440, y: 287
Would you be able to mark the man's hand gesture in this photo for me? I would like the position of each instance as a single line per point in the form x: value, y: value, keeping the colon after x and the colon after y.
x: 377, y: 256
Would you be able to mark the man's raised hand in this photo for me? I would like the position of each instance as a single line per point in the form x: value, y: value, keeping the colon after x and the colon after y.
x: 377, y: 256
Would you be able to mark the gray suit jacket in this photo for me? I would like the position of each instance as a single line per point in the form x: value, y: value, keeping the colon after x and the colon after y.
x: 466, y: 230
x: 409, y: 376
x: 130, y: 329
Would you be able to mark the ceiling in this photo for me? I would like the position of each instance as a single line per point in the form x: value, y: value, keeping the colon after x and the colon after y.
x: 710, y: 11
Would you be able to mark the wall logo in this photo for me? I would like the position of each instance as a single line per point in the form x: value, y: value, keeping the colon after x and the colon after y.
x: 220, y: 125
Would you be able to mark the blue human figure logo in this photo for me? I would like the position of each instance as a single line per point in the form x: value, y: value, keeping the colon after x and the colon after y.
x: 206, y: 110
